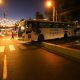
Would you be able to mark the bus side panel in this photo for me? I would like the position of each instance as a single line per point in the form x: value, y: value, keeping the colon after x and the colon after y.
x: 70, y: 32
x: 52, y: 33
x: 34, y: 36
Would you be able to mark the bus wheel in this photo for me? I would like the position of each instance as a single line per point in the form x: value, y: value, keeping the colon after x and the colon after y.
x: 65, y: 35
x: 41, y: 38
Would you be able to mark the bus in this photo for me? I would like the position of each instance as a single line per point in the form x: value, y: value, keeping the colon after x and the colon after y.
x: 40, y: 30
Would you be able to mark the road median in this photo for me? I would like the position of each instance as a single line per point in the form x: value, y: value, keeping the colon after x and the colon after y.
x: 64, y: 51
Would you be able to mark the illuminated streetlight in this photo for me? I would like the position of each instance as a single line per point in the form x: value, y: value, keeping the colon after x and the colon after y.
x: 1, y: 2
x: 49, y: 3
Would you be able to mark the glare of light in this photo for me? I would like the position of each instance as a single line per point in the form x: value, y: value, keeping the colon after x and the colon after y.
x: 3, y: 39
x: 1, y: 1
x: 2, y: 48
x: 11, y: 47
x: 2, y: 34
x: 8, y: 39
x: 7, y: 22
x: 49, y: 3
x: 22, y: 28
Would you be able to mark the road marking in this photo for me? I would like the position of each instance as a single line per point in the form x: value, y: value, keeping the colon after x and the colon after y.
x: 11, y: 47
x: 5, y: 68
x: 8, y: 39
x: 2, y: 48
x: 16, y: 38
x: 4, y: 39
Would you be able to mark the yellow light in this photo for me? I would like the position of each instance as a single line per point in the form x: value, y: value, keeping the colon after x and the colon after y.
x: 49, y: 3
x: 5, y: 68
x: 2, y: 48
x: 22, y: 28
x: 1, y: 1
x: 11, y: 47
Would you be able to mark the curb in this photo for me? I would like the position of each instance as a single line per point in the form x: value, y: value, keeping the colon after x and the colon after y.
x: 64, y: 51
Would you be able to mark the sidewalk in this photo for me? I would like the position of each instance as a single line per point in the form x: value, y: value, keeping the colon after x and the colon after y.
x: 64, y: 51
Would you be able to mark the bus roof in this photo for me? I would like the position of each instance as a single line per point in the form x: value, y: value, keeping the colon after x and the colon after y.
x: 48, y: 21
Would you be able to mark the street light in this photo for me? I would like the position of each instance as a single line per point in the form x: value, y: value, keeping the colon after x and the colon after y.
x: 1, y: 2
x: 49, y: 3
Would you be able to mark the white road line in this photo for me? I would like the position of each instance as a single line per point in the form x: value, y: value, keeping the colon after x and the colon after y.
x: 8, y: 39
x: 4, y: 39
x: 2, y: 48
x: 16, y: 38
x: 11, y: 47
x: 5, y: 68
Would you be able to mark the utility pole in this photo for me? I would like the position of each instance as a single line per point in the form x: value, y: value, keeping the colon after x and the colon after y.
x: 49, y: 4
x: 4, y: 17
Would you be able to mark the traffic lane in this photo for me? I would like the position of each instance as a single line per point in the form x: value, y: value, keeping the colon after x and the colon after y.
x: 1, y: 65
x: 1, y: 57
x: 38, y: 64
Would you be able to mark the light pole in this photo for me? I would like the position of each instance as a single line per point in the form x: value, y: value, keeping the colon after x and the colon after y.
x: 49, y: 4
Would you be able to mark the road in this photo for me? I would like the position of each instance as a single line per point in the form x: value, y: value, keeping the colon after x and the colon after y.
x: 19, y: 62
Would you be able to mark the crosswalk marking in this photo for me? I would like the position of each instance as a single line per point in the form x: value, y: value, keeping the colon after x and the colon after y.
x: 5, y: 68
x: 9, y: 39
x: 2, y: 48
x: 4, y: 39
x: 11, y: 47
x: 16, y: 38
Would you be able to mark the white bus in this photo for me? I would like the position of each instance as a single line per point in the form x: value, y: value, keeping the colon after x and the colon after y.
x: 49, y: 29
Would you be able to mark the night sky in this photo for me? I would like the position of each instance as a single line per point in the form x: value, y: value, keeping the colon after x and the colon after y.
x: 18, y: 9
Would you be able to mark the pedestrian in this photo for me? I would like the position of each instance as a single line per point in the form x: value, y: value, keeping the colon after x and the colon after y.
x: 12, y: 35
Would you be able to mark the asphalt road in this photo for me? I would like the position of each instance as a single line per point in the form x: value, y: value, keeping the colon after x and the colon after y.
x: 19, y: 62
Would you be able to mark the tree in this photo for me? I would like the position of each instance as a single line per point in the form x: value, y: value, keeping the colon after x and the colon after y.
x: 39, y: 15
x: 71, y: 8
x: 49, y: 13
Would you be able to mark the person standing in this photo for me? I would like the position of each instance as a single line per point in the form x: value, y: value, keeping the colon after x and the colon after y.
x: 12, y: 35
